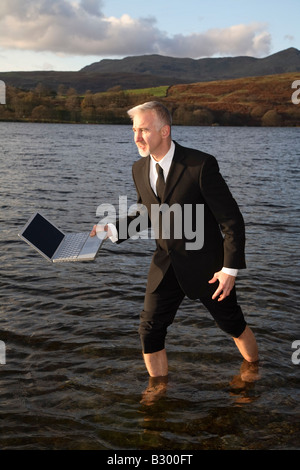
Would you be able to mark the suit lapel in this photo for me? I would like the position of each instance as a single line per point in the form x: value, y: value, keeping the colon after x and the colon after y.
x: 176, y: 169
x: 146, y: 177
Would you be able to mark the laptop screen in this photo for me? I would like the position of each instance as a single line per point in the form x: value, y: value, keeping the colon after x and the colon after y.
x: 43, y: 235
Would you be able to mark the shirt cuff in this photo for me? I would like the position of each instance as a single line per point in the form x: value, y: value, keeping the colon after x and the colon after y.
x: 230, y: 271
x: 114, y: 238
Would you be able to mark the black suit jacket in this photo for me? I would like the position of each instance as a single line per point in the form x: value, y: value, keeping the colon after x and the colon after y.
x: 194, y: 178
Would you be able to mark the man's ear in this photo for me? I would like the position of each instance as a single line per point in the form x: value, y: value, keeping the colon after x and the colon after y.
x: 165, y: 131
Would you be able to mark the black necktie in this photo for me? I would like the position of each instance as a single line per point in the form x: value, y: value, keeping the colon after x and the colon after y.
x: 160, y: 183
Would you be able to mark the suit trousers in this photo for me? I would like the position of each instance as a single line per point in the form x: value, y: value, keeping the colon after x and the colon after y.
x: 160, y: 308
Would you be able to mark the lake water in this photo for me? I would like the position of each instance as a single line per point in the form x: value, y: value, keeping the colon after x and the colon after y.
x: 73, y: 376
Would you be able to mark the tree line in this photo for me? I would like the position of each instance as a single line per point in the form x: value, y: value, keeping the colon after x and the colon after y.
x: 66, y: 106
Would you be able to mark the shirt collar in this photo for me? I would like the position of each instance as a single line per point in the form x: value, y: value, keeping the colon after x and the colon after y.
x: 166, y: 161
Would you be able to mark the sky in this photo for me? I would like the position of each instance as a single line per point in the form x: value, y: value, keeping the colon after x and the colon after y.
x: 67, y: 35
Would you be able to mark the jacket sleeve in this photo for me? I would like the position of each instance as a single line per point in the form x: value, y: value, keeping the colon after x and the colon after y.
x: 226, y: 212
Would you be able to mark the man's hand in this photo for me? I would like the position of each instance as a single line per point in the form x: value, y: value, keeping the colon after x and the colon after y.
x: 226, y: 283
x: 101, y: 228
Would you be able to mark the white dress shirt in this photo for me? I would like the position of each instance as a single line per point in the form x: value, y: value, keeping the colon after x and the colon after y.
x: 165, y: 163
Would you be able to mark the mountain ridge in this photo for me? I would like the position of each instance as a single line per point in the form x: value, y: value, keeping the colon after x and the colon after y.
x: 136, y: 72
x: 205, y: 69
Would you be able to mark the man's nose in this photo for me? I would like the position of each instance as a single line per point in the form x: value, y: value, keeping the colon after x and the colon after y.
x: 138, y: 136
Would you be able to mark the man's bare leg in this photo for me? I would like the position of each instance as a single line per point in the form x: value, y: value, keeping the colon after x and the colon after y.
x: 157, y: 367
x: 247, y: 346
x: 157, y: 363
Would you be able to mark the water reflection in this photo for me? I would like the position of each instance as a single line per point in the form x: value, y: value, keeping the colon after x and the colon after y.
x: 239, y: 385
x: 242, y: 386
x: 218, y: 428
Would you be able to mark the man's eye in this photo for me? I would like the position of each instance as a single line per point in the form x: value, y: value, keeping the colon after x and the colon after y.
x: 143, y: 131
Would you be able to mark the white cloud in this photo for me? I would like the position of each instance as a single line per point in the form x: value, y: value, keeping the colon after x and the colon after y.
x: 80, y: 28
x: 235, y: 40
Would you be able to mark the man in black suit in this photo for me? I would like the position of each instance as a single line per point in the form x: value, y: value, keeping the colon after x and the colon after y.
x: 191, y: 180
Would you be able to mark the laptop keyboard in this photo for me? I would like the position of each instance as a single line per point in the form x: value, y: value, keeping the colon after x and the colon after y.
x: 72, y: 245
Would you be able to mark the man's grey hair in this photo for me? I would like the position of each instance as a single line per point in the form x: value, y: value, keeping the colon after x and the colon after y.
x: 163, y: 114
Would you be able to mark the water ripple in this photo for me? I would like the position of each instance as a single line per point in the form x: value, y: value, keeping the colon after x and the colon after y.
x: 74, y: 377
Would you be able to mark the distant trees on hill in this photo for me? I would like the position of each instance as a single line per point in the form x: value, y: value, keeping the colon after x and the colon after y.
x: 193, y: 108
x: 43, y: 105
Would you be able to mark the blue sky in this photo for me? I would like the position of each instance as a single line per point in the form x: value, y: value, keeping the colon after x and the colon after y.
x: 69, y: 34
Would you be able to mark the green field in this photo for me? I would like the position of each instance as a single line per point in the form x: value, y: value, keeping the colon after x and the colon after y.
x: 159, y: 92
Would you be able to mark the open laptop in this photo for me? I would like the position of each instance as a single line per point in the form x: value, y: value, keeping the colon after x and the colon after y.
x: 56, y: 246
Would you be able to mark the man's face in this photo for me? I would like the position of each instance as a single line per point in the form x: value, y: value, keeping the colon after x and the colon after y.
x: 148, y: 134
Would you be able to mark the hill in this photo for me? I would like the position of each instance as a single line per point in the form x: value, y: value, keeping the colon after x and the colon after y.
x: 83, y: 81
x: 203, y: 70
x: 252, y: 101
x: 155, y: 70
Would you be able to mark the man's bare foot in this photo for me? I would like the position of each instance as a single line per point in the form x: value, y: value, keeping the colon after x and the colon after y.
x: 249, y: 371
x: 156, y: 389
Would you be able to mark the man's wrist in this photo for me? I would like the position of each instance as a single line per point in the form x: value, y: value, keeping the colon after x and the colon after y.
x: 230, y: 271
x: 114, y: 237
